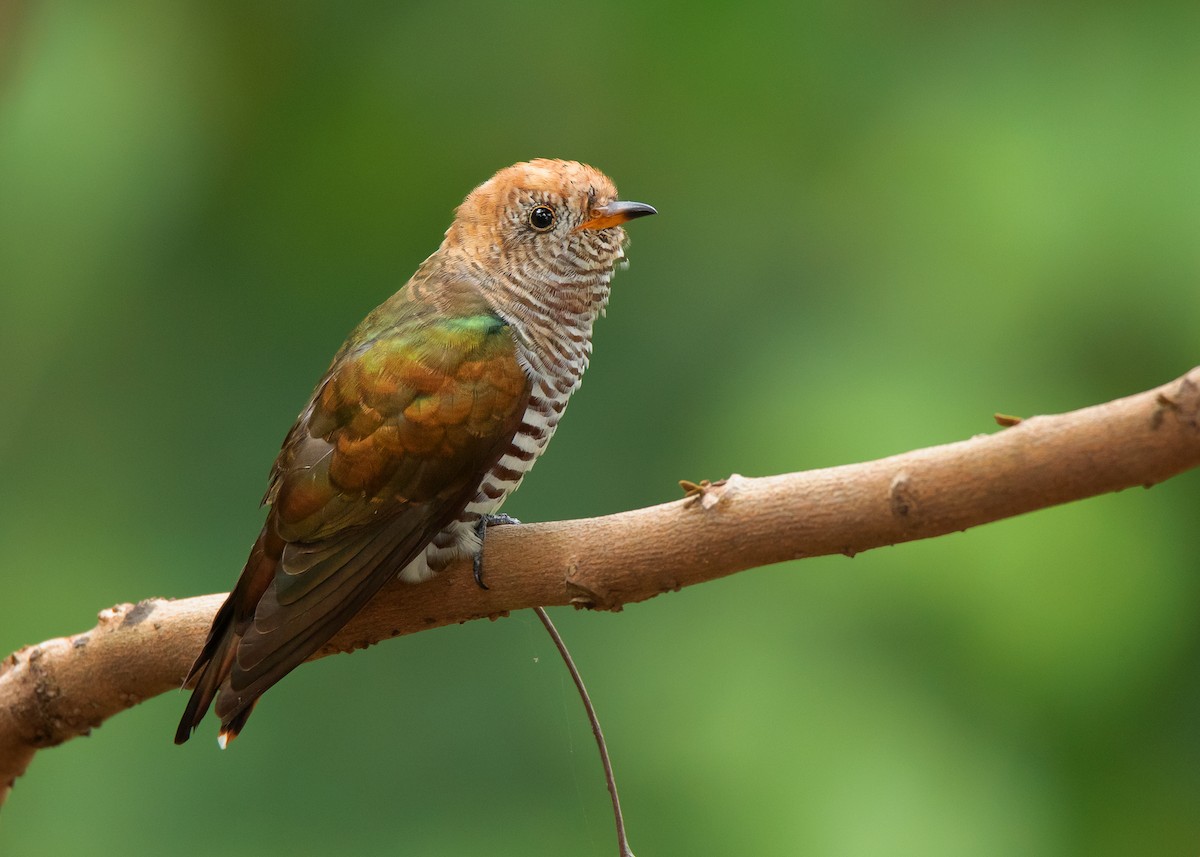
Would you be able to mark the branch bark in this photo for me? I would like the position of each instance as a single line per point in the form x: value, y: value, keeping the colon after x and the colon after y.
x: 65, y: 687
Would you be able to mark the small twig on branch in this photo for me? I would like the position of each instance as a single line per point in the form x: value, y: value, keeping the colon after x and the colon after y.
x: 65, y: 687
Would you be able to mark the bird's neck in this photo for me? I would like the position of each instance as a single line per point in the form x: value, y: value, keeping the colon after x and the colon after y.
x: 551, y: 311
x: 553, y: 322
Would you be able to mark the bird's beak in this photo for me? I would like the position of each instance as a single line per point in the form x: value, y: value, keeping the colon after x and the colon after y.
x: 614, y: 214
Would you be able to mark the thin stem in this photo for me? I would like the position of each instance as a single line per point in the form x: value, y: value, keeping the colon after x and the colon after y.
x: 622, y: 840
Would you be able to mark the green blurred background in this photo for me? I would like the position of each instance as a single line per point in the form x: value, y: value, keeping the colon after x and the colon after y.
x: 880, y: 223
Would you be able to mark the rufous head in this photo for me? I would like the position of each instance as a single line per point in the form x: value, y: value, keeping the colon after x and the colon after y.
x: 545, y: 215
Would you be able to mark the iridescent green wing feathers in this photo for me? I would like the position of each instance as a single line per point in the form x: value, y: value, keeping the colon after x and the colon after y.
x: 415, y: 409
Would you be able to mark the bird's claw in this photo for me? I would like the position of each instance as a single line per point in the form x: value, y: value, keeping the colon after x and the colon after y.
x: 481, y: 526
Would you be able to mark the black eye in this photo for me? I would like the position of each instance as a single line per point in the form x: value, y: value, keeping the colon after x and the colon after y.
x: 541, y: 218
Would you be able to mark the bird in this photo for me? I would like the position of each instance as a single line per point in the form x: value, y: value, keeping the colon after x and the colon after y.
x: 428, y: 417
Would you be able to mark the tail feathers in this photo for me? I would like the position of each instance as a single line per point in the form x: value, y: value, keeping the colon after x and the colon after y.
x: 216, y: 660
x: 213, y: 673
x: 209, y: 671
x: 233, y: 724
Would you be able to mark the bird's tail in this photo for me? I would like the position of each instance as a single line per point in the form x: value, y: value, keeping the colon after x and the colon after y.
x: 215, y: 661
x: 209, y: 670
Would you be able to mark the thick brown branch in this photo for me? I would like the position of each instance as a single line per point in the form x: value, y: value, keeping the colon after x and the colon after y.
x: 62, y: 688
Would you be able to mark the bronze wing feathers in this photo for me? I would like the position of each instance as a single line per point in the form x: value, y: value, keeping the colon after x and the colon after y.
x: 389, y: 451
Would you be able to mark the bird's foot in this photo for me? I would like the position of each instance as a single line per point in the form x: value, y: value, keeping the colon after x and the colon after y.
x: 481, y: 526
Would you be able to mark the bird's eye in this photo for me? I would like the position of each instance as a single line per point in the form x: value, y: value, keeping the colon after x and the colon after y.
x: 541, y: 218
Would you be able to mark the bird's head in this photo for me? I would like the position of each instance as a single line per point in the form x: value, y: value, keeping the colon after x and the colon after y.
x: 545, y: 217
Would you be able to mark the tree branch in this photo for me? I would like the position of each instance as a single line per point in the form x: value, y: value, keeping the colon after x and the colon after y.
x: 65, y: 687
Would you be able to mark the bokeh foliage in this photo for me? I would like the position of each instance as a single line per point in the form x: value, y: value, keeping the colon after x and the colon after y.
x: 881, y: 222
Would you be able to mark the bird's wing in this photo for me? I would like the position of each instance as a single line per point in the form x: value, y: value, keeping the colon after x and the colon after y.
x: 389, y: 451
